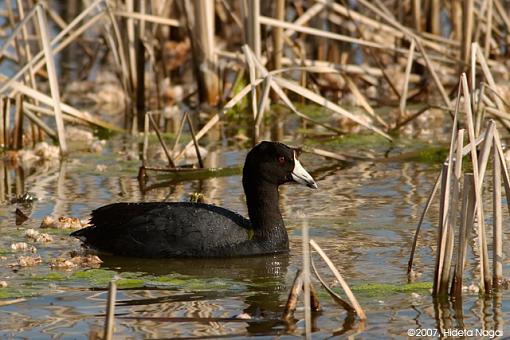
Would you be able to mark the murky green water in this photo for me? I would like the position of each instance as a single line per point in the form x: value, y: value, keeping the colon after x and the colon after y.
x: 363, y: 216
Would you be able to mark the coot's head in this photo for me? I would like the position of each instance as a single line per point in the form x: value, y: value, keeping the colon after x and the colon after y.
x: 275, y: 163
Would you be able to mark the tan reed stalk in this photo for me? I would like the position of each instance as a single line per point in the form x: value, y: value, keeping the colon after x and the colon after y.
x: 253, y: 75
x: 442, y: 231
x: 278, y: 35
x: 39, y: 123
x: 502, y: 160
x: 18, y: 123
x: 488, y: 29
x: 424, y: 212
x: 497, y: 247
x: 466, y: 226
x: 467, y: 30
x: 52, y: 76
x: 306, y: 280
x: 195, y: 140
x: 171, y: 163
x: 409, y: 65
x: 291, y: 304
x: 416, y: 14
x: 330, y: 291
x: 474, y: 160
x: 110, y: 311
x: 263, y: 102
x: 3, y: 125
x: 340, y: 279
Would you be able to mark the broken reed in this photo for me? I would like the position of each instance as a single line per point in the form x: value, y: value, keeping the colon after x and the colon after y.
x: 472, y: 210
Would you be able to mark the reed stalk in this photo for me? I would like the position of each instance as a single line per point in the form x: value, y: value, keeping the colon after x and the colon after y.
x: 422, y: 217
x: 195, y: 141
x: 439, y: 277
x: 474, y: 161
x: 409, y: 65
x: 171, y: 163
x: 306, y: 280
x: 278, y: 35
x: 502, y: 160
x: 497, y: 257
x: 52, y: 75
x: 110, y: 311
x: 345, y: 287
x: 466, y: 226
x: 290, y: 306
x: 467, y: 30
x: 18, y: 123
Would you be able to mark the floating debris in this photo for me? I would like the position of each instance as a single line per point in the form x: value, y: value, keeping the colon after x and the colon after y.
x: 3, y: 284
x: 38, y: 237
x: 76, y: 261
x: 23, y: 246
x: 62, y: 222
x: 26, y: 261
x: 20, y: 217
x: 27, y: 197
x: 100, y: 168
x: 196, y: 197
x: 244, y: 316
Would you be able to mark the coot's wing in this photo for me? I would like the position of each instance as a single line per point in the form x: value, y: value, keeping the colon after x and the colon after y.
x: 165, y: 229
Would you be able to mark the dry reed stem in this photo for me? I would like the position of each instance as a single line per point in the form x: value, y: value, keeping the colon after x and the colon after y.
x: 340, y: 279
x: 290, y: 306
x: 38, y: 57
x: 130, y: 27
x: 474, y: 160
x: 41, y: 124
x: 432, y: 71
x: 67, y: 109
x: 338, y: 299
x: 409, y: 65
x: 145, y: 138
x: 439, y: 277
x: 506, y: 179
x: 116, y: 40
x: 309, y: 14
x: 453, y: 211
x: 263, y: 102
x: 110, y: 311
x: 289, y: 85
x: 278, y: 35
x: 52, y: 75
x: 488, y: 29
x: 482, y: 166
x: 325, y: 34
x: 363, y: 101
x: 253, y: 75
x: 18, y: 123
x: 171, y: 163
x: 148, y: 17
x: 497, y: 257
x: 466, y: 226
x: 467, y: 30
x: 306, y: 280
x: 7, y: 42
x: 488, y: 75
x: 194, y: 139
x: 422, y: 217
x: 278, y: 90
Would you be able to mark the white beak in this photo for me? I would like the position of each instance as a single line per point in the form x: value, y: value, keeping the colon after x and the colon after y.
x: 300, y: 175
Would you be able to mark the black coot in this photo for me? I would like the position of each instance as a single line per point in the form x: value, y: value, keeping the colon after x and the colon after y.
x: 171, y: 229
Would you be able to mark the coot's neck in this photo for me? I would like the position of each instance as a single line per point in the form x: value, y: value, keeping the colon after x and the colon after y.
x: 263, y: 208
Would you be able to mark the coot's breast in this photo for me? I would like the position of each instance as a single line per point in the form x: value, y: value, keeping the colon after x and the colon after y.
x: 166, y: 230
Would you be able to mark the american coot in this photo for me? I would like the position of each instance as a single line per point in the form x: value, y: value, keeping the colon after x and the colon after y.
x: 171, y: 229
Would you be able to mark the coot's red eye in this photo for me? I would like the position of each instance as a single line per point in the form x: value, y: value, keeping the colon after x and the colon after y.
x: 281, y: 159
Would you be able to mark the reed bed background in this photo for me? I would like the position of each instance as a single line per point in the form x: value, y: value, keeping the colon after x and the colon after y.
x: 205, y: 56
